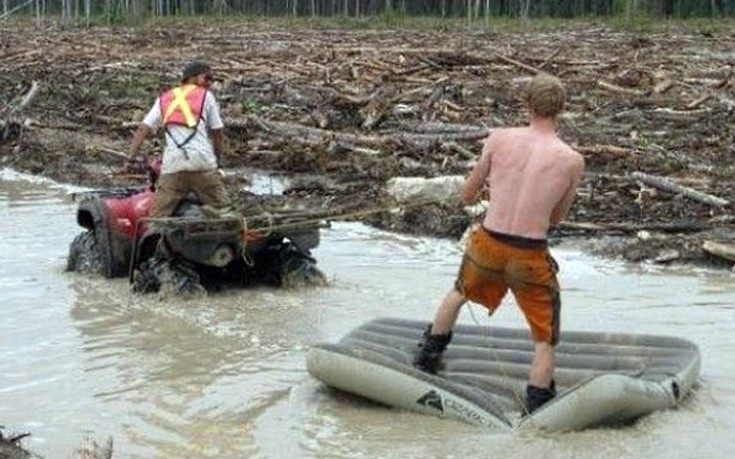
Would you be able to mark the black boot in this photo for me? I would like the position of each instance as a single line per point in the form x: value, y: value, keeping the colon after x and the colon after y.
x: 430, y: 352
x: 538, y: 396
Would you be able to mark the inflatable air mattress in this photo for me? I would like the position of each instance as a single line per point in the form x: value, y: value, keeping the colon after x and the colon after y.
x: 602, y: 379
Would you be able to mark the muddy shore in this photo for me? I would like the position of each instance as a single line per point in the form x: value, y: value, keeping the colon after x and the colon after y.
x: 341, y: 112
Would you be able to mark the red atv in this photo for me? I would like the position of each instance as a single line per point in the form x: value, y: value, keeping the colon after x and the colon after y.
x: 188, y: 251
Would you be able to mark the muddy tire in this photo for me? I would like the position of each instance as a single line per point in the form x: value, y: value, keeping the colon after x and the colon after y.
x: 286, y: 266
x: 300, y: 271
x: 156, y: 274
x: 85, y: 255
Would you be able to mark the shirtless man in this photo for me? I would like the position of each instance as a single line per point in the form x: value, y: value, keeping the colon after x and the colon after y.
x: 533, y: 176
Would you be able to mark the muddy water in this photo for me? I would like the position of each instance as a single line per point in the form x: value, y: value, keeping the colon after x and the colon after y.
x: 224, y: 376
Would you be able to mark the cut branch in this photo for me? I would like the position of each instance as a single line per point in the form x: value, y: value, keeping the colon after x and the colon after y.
x: 635, y: 227
x: 666, y: 184
x: 719, y: 249
x: 663, y: 86
x: 27, y: 99
x: 13, y: 117
x: 679, y: 115
x: 518, y: 63
x: 620, y: 90
x: 315, y: 136
x: 603, y: 150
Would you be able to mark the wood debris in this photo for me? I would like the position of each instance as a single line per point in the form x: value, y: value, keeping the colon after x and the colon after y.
x: 360, y: 107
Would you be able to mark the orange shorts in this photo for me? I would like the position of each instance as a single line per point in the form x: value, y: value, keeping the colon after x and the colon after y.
x: 495, y: 262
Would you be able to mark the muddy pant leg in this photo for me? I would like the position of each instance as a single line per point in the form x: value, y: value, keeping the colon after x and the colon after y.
x: 170, y: 189
x: 211, y: 191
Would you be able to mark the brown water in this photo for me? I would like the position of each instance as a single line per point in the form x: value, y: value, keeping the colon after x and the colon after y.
x: 224, y: 376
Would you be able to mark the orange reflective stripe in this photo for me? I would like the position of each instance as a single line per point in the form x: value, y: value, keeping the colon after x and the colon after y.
x: 181, y: 103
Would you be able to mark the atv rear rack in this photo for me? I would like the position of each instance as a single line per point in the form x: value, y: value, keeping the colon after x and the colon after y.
x: 199, y: 227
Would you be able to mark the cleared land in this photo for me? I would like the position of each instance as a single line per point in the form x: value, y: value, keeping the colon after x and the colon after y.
x: 344, y: 111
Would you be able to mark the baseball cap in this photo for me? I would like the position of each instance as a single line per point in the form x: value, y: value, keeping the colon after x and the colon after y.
x: 195, y: 68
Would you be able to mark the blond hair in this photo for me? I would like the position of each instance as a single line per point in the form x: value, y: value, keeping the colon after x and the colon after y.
x: 545, y: 95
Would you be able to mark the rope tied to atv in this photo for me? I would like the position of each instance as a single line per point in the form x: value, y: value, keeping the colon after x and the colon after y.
x: 355, y: 215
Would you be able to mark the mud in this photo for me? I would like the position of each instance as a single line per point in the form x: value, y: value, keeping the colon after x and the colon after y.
x: 340, y: 112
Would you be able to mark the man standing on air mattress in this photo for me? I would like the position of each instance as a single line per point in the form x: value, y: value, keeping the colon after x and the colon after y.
x: 532, y: 178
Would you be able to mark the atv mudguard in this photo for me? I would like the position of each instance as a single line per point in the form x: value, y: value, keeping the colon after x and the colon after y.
x: 115, y: 249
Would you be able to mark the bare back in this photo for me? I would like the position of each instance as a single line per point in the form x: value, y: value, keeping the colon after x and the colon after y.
x: 533, y: 176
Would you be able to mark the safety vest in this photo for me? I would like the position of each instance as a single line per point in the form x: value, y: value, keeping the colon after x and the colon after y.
x: 183, y: 106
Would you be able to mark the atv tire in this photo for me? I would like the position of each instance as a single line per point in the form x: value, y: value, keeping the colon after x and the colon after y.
x: 85, y: 255
x: 284, y: 265
x: 301, y: 271
x: 155, y: 273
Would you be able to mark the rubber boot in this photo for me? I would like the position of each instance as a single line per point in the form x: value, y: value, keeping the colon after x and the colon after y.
x: 430, y: 352
x: 538, y: 396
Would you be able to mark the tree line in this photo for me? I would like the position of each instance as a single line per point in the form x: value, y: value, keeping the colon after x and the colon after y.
x: 123, y: 10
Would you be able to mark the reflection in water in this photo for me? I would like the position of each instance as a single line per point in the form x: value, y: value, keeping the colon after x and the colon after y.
x: 224, y: 376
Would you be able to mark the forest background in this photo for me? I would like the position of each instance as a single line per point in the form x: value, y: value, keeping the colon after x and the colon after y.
x: 471, y: 11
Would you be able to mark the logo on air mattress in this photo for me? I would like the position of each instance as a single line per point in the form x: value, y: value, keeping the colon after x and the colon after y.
x: 453, y: 407
x: 432, y: 399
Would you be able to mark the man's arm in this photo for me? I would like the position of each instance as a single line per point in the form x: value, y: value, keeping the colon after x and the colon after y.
x: 562, y: 208
x: 138, y: 140
x: 215, y: 126
x: 150, y: 122
x: 475, y: 181
x: 217, y: 137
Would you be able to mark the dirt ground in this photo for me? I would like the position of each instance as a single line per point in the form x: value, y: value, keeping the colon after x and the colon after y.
x: 341, y: 112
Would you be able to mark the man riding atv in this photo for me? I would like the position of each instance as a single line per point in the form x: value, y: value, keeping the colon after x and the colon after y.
x: 189, y: 250
x: 182, y: 227
x: 193, y: 128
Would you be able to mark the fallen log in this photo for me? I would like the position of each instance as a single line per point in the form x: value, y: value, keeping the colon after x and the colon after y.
x: 670, y: 114
x: 27, y: 99
x: 12, y: 119
x: 719, y: 249
x: 315, y: 136
x: 711, y: 88
x: 663, y: 86
x: 667, y: 184
x: 412, y: 189
x: 113, y: 152
x: 378, y: 106
x: 406, y: 188
x: 436, y: 128
x: 549, y: 59
x: 699, y: 101
x: 21, y: 53
x: 457, y: 148
x: 620, y: 90
x: 687, y: 227
x: 610, y: 151
x: 518, y: 64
